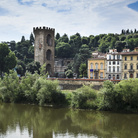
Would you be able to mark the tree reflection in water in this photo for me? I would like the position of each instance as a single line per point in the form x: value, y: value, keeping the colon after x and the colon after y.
x: 43, y: 122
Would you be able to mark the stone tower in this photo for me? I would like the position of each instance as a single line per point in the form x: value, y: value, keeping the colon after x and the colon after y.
x: 44, y: 47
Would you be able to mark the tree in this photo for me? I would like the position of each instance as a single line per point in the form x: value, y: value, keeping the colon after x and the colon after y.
x: 21, y: 68
x: 12, y: 45
x: 7, y: 59
x: 84, y: 52
x: 69, y: 73
x: 63, y: 50
x: 84, y: 40
x: 64, y: 38
x: 119, y: 45
x: 31, y: 39
x: 33, y: 66
x: 57, y: 36
x: 22, y: 39
x: 75, y: 43
x: 76, y: 63
x: 83, y: 70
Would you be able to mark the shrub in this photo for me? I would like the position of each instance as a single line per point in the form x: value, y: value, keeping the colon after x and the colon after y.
x: 84, y: 98
x: 128, y: 89
x: 108, y: 96
x: 9, y: 87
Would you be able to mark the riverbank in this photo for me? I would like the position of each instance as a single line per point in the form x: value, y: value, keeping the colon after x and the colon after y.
x: 36, y: 89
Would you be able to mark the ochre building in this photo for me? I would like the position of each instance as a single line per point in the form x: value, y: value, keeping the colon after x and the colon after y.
x: 129, y: 63
x: 96, y: 68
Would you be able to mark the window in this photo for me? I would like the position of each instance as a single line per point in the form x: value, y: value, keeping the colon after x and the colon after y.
x: 91, y: 75
x: 101, y: 75
x: 101, y: 65
x: 125, y: 75
x: 125, y: 58
x: 117, y: 69
x: 113, y: 62
x: 91, y: 65
x: 125, y: 67
x: 137, y: 75
x: 109, y: 62
x: 109, y: 56
x: 117, y: 62
x: 131, y: 58
x: 109, y: 69
x: 113, y: 56
x: 96, y: 66
x: 137, y: 66
x: 137, y: 57
x: 131, y: 66
x: 109, y: 76
x: 118, y: 56
x: 117, y: 77
x: 113, y: 69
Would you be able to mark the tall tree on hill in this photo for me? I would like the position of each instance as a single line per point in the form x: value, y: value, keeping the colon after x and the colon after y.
x: 64, y: 39
x: 57, y: 36
x: 31, y: 39
x: 75, y: 42
x: 22, y: 39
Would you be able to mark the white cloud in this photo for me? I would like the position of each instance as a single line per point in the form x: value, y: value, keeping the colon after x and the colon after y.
x: 67, y: 16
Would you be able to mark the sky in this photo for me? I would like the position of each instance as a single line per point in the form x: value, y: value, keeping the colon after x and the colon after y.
x: 87, y: 17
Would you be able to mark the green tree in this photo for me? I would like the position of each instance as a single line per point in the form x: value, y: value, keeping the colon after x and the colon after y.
x: 84, y: 40
x: 57, y: 36
x: 33, y: 66
x: 75, y: 43
x: 84, y: 52
x: 7, y: 59
x: 64, y: 39
x: 31, y: 39
x: 83, y: 70
x: 22, y: 39
x: 69, y: 73
x: 21, y: 68
x: 63, y: 50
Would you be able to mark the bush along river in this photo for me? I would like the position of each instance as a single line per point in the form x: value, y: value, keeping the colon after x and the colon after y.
x: 32, y: 121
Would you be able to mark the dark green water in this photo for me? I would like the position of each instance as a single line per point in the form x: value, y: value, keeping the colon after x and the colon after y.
x: 28, y: 121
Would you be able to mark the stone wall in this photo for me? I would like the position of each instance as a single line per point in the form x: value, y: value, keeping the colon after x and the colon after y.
x: 72, y: 84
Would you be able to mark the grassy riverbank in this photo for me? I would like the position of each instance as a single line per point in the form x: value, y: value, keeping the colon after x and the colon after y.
x: 36, y: 89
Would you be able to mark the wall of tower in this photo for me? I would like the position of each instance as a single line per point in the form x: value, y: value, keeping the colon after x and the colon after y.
x: 44, y: 47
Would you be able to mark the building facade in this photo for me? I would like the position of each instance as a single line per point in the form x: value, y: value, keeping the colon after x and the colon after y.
x: 129, y: 63
x: 114, y: 65
x: 96, y: 68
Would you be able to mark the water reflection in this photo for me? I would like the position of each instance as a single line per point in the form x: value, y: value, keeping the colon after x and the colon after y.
x: 30, y: 121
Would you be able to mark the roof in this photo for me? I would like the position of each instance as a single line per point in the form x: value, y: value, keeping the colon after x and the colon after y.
x: 100, y: 58
x: 128, y: 53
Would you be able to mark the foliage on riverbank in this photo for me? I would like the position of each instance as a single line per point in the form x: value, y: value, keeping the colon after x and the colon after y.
x: 36, y: 89
x: 32, y: 88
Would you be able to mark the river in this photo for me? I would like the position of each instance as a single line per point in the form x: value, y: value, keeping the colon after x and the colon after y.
x: 31, y: 121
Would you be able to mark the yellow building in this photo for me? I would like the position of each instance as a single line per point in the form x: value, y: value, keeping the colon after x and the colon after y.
x: 129, y: 63
x: 96, y: 68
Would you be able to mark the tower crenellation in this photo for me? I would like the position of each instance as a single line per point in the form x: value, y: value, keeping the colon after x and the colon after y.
x: 43, y: 28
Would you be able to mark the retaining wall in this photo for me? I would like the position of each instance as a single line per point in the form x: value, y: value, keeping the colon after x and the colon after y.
x: 72, y: 84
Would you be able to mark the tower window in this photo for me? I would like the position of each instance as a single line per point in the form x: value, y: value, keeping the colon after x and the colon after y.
x: 49, y: 40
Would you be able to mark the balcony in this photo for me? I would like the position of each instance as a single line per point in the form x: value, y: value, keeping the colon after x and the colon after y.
x: 96, y: 70
x: 131, y: 70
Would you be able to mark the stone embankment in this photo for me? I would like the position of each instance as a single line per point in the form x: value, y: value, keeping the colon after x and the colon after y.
x: 72, y: 84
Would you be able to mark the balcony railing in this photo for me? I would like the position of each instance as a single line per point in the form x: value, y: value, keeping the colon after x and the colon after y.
x: 96, y: 70
x: 131, y: 70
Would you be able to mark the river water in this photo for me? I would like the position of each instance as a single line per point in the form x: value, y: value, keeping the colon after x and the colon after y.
x: 31, y: 121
